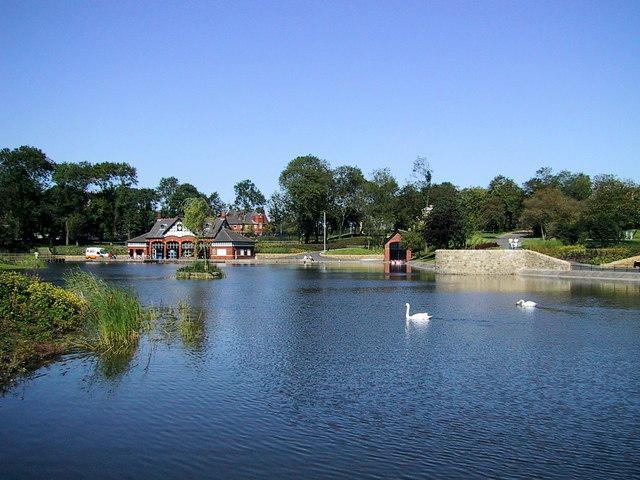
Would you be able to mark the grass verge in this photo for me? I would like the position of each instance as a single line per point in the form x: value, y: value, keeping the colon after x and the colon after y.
x: 357, y: 251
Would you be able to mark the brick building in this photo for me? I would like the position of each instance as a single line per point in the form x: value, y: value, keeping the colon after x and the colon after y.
x: 246, y: 222
x: 170, y: 239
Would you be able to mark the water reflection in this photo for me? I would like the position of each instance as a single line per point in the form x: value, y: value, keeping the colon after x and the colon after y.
x: 112, y: 365
x: 315, y: 373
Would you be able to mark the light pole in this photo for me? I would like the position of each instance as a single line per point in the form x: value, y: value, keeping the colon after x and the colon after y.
x: 324, y: 234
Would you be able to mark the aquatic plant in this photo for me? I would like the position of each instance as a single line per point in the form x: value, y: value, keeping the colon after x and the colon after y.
x: 114, y: 316
x: 190, y: 324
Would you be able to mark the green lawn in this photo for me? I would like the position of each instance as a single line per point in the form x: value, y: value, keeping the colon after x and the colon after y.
x: 357, y: 251
x: 80, y: 249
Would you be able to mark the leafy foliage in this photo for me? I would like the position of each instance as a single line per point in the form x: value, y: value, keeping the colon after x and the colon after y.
x: 550, y: 212
x: 445, y: 224
x: 248, y: 197
x: 37, y: 308
x: 307, y: 183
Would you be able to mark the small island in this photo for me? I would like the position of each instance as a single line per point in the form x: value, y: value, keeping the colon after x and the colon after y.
x: 199, y: 271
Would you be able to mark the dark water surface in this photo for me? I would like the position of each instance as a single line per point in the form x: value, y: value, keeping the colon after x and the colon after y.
x: 313, y: 373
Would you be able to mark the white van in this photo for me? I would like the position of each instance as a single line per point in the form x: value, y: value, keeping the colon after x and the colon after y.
x: 92, y: 253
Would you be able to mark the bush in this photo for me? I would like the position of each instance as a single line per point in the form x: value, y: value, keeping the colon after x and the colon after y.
x: 36, y: 308
x: 199, y: 267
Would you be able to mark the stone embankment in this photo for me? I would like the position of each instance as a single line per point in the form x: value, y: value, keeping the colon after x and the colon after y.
x: 495, y: 262
x: 624, y: 263
x: 602, y: 275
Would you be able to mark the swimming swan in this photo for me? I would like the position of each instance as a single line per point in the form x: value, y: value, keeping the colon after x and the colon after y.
x: 416, y: 316
x: 526, y: 303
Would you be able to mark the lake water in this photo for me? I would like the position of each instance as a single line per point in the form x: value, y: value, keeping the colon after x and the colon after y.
x: 314, y: 373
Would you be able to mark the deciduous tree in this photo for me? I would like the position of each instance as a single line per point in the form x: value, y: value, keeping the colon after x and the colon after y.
x: 308, y: 185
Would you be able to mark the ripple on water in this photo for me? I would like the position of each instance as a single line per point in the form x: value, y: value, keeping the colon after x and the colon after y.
x: 303, y: 373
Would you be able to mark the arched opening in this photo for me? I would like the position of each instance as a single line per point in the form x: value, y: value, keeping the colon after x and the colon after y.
x: 187, y: 249
x: 157, y: 250
x: 172, y: 250
x: 396, y: 252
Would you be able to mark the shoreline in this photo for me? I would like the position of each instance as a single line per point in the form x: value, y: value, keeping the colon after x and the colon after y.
x: 296, y: 259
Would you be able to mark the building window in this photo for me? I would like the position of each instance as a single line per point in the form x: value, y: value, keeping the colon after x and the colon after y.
x: 187, y: 249
x: 172, y: 249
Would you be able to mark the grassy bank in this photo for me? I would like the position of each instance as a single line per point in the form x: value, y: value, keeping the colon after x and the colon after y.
x: 357, y: 251
x: 20, y: 262
x: 271, y: 245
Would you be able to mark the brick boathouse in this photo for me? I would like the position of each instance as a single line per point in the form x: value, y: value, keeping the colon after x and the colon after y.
x: 393, y: 251
x: 170, y: 239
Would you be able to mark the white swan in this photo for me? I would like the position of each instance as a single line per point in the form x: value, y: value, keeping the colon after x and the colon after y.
x: 416, y: 316
x: 526, y: 303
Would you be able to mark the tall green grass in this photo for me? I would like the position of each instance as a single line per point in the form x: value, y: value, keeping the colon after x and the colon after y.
x: 190, y: 324
x: 114, y: 315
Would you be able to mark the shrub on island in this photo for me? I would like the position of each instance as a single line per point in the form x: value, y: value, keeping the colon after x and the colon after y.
x: 199, y: 270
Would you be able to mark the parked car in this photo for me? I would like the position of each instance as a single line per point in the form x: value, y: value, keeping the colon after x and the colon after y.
x: 93, y: 253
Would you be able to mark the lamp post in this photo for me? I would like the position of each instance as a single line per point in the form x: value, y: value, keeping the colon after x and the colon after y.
x: 324, y: 234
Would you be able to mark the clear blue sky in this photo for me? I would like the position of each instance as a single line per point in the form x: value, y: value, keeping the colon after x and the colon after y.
x: 216, y: 92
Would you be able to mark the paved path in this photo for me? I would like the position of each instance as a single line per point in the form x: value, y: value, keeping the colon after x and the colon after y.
x: 503, y: 240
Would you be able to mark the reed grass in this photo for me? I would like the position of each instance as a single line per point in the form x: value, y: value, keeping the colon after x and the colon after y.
x: 190, y: 324
x: 114, y: 315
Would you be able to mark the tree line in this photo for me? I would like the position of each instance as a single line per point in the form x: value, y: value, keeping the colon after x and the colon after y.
x: 570, y: 206
x: 53, y: 202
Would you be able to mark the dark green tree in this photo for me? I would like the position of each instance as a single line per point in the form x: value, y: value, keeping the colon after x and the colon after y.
x: 504, y: 204
x: 216, y: 204
x: 575, y: 185
x: 277, y: 207
x: 69, y: 197
x: 613, y: 208
x: 474, y: 201
x: 137, y: 210
x: 25, y: 174
x: 248, y: 197
x: 380, y: 203
x: 445, y: 225
x: 409, y: 205
x: 348, y: 194
x: 166, y: 188
x: 548, y: 211
x: 176, y: 202
x: 308, y: 185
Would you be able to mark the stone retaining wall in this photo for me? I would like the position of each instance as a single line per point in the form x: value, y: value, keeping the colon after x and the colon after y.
x: 494, y: 262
